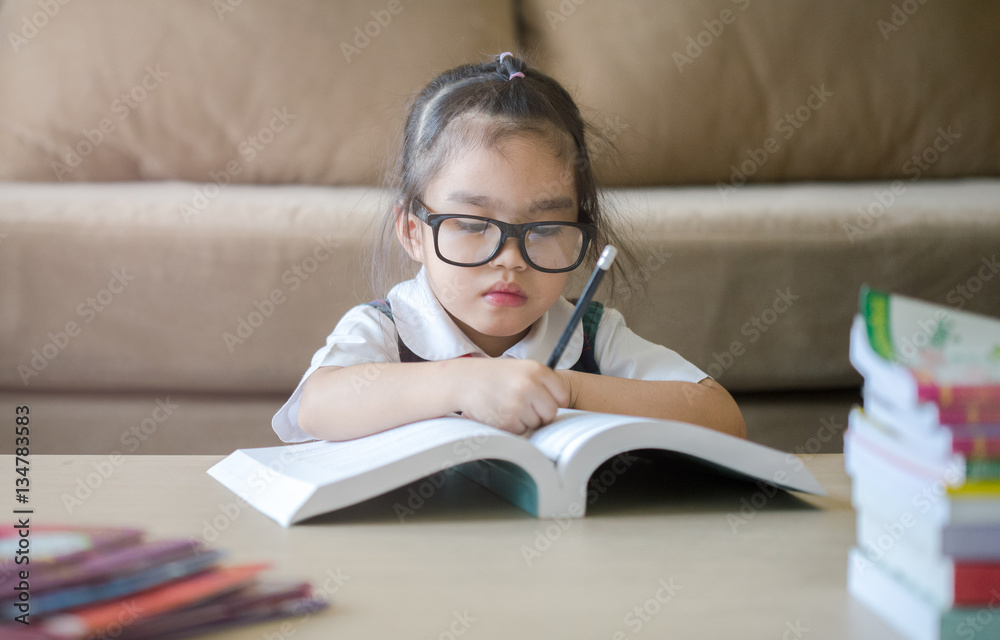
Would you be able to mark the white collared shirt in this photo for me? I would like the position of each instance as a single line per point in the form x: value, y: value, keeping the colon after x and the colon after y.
x: 365, y: 335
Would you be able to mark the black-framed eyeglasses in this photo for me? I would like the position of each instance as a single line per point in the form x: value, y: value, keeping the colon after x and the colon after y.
x: 471, y: 241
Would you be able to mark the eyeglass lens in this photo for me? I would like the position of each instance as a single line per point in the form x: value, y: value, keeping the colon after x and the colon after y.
x: 470, y: 241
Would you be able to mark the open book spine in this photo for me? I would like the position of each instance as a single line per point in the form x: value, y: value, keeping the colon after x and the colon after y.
x: 510, y: 482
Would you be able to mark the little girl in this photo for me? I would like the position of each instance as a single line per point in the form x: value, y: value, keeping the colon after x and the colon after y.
x: 496, y: 200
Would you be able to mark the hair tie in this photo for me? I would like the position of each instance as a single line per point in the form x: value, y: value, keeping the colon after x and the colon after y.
x: 505, y: 53
x: 516, y: 74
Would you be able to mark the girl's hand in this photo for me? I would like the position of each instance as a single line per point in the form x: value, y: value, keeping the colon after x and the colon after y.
x: 569, y: 379
x: 509, y: 394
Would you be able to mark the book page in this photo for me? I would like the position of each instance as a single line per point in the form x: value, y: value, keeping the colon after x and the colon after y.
x: 579, y: 441
x: 569, y: 426
x: 323, y: 462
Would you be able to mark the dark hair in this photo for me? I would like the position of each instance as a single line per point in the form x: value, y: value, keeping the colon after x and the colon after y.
x: 481, y: 104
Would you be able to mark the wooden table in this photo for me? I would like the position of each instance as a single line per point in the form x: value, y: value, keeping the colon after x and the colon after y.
x: 663, y: 552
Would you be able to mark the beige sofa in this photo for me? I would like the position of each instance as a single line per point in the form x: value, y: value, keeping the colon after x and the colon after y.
x: 189, y: 189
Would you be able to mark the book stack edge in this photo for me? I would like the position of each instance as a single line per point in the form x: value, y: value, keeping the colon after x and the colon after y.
x: 923, y: 455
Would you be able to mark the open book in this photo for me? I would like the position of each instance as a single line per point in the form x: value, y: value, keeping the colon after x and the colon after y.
x: 545, y: 474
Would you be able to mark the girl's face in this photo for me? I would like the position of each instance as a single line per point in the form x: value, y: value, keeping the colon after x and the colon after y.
x: 521, y: 181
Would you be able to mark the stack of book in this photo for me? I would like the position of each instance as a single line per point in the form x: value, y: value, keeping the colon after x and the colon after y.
x: 114, y: 583
x: 924, y: 458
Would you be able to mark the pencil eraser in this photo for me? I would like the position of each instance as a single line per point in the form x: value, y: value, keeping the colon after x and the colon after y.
x: 607, y: 257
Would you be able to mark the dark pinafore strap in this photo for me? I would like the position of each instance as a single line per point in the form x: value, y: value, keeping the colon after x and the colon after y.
x: 586, y: 363
x: 405, y: 355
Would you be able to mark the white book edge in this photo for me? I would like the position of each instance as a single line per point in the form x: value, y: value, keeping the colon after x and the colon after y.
x: 863, y: 455
x: 558, y: 460
x: 896, y: 604
x: 282, y: 491
x: 280, y: 505
x: 877, y: 371
x: 932, y: 448
x: 923, y: 418
x: 889, y: 545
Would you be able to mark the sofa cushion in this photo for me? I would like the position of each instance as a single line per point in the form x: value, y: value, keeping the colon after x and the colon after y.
x: 723, y: 91
x: 105, y: 287
x: 225, y: 91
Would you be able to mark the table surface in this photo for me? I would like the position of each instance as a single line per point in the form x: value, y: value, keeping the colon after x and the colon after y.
x: 666, y: 548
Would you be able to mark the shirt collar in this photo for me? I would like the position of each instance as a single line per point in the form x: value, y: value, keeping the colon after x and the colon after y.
x: 430, y: 333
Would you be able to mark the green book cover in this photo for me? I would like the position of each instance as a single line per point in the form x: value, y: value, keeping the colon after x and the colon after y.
x: 935, y: 340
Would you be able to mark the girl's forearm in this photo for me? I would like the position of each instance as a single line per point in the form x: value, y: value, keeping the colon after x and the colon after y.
x: 706, y: 403
x: 341, y: 403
